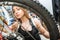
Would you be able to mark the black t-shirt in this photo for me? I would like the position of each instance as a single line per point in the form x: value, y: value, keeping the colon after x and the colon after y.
x: 33, y: 32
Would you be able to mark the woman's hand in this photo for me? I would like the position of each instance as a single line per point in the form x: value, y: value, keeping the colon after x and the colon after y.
x: 46, y: 34
x: 14, y: 26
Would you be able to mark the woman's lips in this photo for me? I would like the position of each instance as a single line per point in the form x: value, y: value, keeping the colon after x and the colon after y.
x: 17, y: 15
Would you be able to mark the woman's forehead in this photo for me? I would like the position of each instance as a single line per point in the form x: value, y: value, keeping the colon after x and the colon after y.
x: 15, y: 7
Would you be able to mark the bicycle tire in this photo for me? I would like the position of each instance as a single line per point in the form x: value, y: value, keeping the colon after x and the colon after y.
x: 46, y: 17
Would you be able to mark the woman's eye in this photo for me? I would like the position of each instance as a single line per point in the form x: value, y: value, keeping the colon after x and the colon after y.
x: 18, y: 8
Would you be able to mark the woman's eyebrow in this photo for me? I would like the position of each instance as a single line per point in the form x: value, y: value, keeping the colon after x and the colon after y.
x: 18, y: 8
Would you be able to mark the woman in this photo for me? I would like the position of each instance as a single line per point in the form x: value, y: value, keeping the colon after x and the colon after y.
x: 26, y: 24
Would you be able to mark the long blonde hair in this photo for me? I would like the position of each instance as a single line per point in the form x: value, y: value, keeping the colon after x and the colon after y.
x: 25, y: 12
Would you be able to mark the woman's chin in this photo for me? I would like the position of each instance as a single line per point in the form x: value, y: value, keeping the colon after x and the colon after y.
x: 18, y: 17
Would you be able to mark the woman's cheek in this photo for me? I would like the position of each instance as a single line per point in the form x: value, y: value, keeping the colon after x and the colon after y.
x: 15, y: 15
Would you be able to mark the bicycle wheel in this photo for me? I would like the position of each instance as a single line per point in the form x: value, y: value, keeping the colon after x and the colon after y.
x: 40, y: 11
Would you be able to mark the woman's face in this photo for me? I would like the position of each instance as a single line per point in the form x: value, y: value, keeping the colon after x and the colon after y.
x: 18, y: 12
